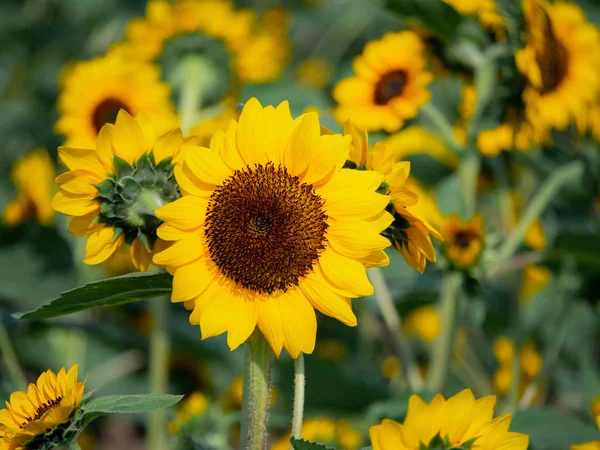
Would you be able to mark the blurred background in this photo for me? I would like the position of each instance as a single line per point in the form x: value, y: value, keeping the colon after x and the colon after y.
x: 355, y: 377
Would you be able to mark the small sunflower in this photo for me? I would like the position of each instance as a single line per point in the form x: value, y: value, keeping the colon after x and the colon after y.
x: 424, y: 322
x: 530, y: 362
x: 46, y: 404
x: 271, y: 227
x: 535, y: 279
x: 113, y: 190
x: 410, y: 232
x: 463, y: 240
x: 33, y: 177
x: 559, y: 63
x: 93, y: 92
x: 486, y: 12
x: 438, y: 425
x: 389, y: 85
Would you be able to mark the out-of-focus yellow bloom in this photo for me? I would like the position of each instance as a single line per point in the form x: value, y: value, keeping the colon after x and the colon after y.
x: 391, y: 367
x: 503, y: 138
x: 595, y: 409
x: 503, y: 379
x: 46, y: 404
x: 331, y: 349
x: 314, y: 72
x: 194, y: 405
x: 485, y: 11
x: 33, y: 178
x: 535, y: 280
x: 389, y: 84
x: 463, y: 240
x: 425, y: 322
x: 415, y: 140
x: 205, y: 129
x: 86, y: 440
x: 232, y: 400
x: 535, y: 237
x: 504, y: 349
x: 327, y: 431
x: 531, y: 361
x: 93, y: 92
x: 561, y: 65
x: 440, y: 418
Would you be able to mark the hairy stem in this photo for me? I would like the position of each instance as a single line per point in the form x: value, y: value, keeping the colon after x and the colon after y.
x: 299, y: 385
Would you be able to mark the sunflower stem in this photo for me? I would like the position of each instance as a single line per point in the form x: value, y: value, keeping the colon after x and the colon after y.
x: 9, y: 358
x: 442, y: 350
x: 468, y: 173
x: 545, y: 194
x: 255, y: 399
x: 299, y: 385
x: 442, y: 127
x: 159, y: 363
x: 393, y: 323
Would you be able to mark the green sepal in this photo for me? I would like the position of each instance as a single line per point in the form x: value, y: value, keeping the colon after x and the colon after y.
x: 439, y: 443
x: 467, y: 445
x: 144, y: 170
x: 383, y: 188
x: 122, y: 167
x: 349, y: 164
x: 128, y: 189
x: 105, y: 188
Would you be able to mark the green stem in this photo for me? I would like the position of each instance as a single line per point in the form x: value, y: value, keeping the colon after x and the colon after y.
x: 159, y: 371
x: 545, y: 194
x: 255, y: 403
x: 393, y: 323
x: 299, y: 385
x: 444, y: 344
x: 9, y: 358
x: 468, y: 172
x: 442, y: 127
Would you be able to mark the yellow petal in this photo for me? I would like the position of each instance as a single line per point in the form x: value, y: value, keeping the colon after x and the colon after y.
x: 84, y: 159
x: 167, y: 145
x: 329, y: 155
x: 101, y: 245
x: 84, y: 225
x: 128, y: 138
x: 181, y: 252
x: 170, y: 233
x: 192, y: 279
x: 140, y: 258
x: 299, y: 323
x: 207, y: 165
x: 355, y: 238
x: 104, y: 147
x: 252, y: 132
x: 319, y: 294
x: 78, y: 182
x: 345, y: 273
x: 186, y: 213
x: 270, y: 323
x: 74, y: 205
x: 242, y: 317
x: 189, y: 184
x: 300, y: 146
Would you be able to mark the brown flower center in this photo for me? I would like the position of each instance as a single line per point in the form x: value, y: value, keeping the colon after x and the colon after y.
x: 106, y: 112
x: 463, y: 238
x: 552, y: 58
x: 389, y: 86
x: 42, y: 409
x: 265, y: 229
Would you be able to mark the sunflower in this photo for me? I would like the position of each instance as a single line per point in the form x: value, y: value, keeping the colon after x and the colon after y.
x: 270, y: 227
x: 194, y: 405
x: 486, y: 12
x: 460, y: 421
x: 389, y: 85
x: 424, y: 322
x: 33, y: 178
x: 464, y: 240
x: 415, y: 140
x: 93, y: 92
x: 338, y: 433
x: 530, y: 363
x: 46, y: 404
x: 257, y: 51
x: 560, y: 65
x: 410, y: 232
x: 113, y: 190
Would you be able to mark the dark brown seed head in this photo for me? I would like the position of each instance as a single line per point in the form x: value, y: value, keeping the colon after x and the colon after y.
x: 389, y: 86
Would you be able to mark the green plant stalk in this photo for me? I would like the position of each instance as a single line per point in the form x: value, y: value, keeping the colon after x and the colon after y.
x: 9, y: 358
x: 393, y: 323
x: 159, y: 371
x: 255, y: 399
x: 443, y: 128
x: 468, y: 173
x: 444, y: 344
x: 299, y: 385
x: 545, y: 194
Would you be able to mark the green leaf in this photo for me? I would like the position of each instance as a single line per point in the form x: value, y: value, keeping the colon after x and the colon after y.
x: 301, y: 444
x: 110, y: 292
x: 440, y: 18
x: 552, y: 430
x: 130, y: 404
x: 582, y: 247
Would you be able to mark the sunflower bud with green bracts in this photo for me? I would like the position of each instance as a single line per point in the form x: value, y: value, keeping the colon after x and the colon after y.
x: 113, y: 190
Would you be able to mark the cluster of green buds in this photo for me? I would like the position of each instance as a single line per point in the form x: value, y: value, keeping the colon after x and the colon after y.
x: 439, y: 443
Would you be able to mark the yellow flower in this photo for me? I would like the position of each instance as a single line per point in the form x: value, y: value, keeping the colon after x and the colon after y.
x: 93, y: 92
x: 46, y: 404
x: 258, y: 52
x: 424, y: 322
x: 391, y: 367
x: 505, y: 137
x: 113, y: 189
x: 535, y: 280
x: 595, y: 409
x: 331, y: 349
x: 194, y: 405
x: 325, y: 431
x: 531, y: 361
x: 458, y: 420
x: 411, y: 230
x: 232, y: 400
x: 33, y: 177
x: 503, y: 379
x: 415, y: 140
x: 464, y: 240
x: 389, y: 85
x: 485, y: 10
x: 271, y: 227
x: 504, y: 350
x: 314, y: 72
x: 560, y: 64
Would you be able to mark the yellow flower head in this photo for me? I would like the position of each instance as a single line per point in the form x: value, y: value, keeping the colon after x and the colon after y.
x: 391, y: 367
x: 33, y: 177
x: 339, y: 433
x: 458, y: 420
x: 314, y: 72
x: 560, y: 64
x: 93, y: 92
x: 258, y: 51
x: 535, y: 280
x: 425, y: 322
x: 504, y: 350
x: 46, y: 404
x: 270, y: 227
x: 389, y: 85
x: 411, y: 231
x: 194, y: 405
x: 531, y: 361
x: 113, y: 190
x: 464, y: 240
x: 485, y: 10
